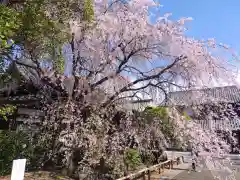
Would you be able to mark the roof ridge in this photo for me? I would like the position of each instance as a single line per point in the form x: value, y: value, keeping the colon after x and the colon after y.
x: 202, y: 89
x: 204, y: 95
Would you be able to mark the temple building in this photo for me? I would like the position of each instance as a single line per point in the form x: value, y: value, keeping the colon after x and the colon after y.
x: 216, y: 108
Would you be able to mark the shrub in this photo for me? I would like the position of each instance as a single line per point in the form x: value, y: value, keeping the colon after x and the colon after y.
x: 147, y: 158
x: 13, y: 145
x: 159, y: 112
x: 132, y: 158
x: 7, y: 110
x: 186, y: 116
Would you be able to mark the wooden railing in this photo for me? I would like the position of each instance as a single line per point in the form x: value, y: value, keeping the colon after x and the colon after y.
x: 158, y: 167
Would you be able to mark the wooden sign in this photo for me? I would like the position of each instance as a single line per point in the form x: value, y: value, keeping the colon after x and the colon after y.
x: 18, y: 169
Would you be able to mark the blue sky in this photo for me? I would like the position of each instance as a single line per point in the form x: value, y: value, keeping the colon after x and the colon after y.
x: 219, y: 19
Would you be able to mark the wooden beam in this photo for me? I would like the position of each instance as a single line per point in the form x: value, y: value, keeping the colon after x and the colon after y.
x: 4, y: 101
x: 21, y: 90
x: 30, y: 112
x: 20, y: 119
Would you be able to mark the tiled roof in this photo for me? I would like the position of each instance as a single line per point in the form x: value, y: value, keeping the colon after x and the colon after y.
x: 203, y: 96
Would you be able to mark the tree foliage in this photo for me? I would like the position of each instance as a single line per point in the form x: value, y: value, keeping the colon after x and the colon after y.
x: 39, y: 28
x: 114, y: 43
x: 9, y: 23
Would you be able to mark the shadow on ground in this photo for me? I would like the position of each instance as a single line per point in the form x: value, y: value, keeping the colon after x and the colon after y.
x: 180, y: 169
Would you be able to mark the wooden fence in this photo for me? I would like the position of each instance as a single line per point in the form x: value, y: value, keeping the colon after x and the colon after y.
x: 158, y: 167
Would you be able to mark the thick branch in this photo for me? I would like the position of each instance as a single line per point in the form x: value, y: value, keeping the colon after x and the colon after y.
x: 125, y: 88
x: 141, y: 101
x: 74, y: 60
x: 134, y: 95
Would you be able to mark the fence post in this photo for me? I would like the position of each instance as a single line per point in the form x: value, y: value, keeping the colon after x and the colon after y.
x: 149, y: 174
x: 143, y: 175
x: 178, y: 160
